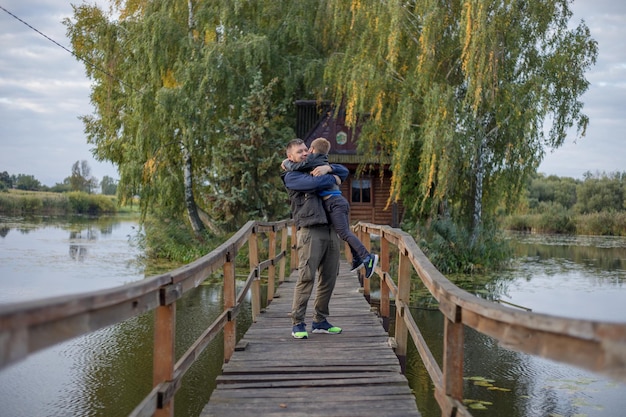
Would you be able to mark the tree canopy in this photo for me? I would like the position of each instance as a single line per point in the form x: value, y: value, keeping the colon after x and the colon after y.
x: 463, y: 95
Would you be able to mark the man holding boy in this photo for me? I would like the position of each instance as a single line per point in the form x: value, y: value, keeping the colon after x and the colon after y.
x: 336, y: 206
x: 317, y: 243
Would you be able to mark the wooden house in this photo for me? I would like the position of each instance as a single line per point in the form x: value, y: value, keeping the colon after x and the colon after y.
x: 368, y: 191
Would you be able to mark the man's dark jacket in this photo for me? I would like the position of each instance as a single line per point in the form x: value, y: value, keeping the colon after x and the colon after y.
x: 306, y: 206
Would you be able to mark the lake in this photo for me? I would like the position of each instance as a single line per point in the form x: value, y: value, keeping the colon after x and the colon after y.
x: 105, y: 373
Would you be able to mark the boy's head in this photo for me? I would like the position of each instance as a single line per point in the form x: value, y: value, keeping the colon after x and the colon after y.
x: 320, y: 145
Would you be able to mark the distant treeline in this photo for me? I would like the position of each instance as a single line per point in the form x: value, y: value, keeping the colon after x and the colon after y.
x: 595, y: 205
x: 17, y: 203
x: 79, y: 180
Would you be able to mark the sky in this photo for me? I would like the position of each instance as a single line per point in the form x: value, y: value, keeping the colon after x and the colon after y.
x: 44, y: 91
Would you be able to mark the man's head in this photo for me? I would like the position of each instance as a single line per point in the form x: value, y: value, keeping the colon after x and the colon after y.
x: 297, y: 150
x: 320, y: 145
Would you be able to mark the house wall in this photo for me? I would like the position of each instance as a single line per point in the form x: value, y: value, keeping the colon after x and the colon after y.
x: 376, y: 211
x: 319, y: 120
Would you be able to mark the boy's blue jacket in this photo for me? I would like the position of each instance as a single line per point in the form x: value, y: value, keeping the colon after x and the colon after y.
x: 307, y: 183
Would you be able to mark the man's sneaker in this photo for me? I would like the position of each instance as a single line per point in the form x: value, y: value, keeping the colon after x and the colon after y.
x: 299, y: 331
x: 325, y: 327
x: 370, y: 264
x: 356, y: 264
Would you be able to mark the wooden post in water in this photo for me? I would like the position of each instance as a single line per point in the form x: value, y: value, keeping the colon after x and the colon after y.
x: 164, y: 354
x: 384, y: 287
x: 253, y: 255
x: 403, y: 299
x: 230, y: 298
x: 271, y: 270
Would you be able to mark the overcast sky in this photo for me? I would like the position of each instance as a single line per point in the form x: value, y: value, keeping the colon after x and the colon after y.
x: 43, y: 91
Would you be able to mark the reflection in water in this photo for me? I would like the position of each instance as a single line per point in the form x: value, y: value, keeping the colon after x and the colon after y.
x: 78, y: 238
x: 565, y: 276
x: 57, y: 256
x: 105, y: 373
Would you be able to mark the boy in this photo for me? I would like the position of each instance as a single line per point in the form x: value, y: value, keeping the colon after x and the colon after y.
x: 336, y: 206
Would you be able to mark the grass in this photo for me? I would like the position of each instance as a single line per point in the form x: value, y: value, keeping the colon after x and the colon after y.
x: 20, y: 202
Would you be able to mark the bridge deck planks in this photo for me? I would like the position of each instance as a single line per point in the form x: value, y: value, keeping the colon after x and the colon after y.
x: 352, y: 374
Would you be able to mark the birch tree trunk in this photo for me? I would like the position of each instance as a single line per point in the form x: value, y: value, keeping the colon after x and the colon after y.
x: 190, y: 202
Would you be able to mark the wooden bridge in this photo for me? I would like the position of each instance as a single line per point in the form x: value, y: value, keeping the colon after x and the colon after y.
x: 268, y: 373
x: 355, y: 373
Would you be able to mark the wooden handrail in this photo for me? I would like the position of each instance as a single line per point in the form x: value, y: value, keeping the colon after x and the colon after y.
x: 593, y: 345
x: 27, y: 327
x: 31, y: 326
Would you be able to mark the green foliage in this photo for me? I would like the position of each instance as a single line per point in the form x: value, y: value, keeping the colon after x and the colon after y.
x: 601, y: 192
x: 552, y: 189
x: 555, y: 219
x: 174, y: 73
x: 81, y: 178
x: 592, y: 206
x: 63, y: 187
x: 170, y: 239
x: 449, y: 247
x: 466, y: 89
x: 246, y: 183
x: 83, y: 203
x: 5, y: 181
x: 602, y: 223
x: 109, y: 185
x: 27, y: 182
x: 16, y: 202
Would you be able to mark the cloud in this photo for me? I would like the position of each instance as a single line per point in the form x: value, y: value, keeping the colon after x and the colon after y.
x: 602, y: 149
x: 44, y: 90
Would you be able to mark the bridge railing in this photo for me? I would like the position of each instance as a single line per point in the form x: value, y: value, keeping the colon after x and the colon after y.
x: 31, y: 326
x: 596, y: 346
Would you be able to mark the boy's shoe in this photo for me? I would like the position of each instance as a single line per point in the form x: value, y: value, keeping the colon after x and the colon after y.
x: 299, y: 331
x: 356, y: 264
x: 370, y: 263
x: 325, y: 327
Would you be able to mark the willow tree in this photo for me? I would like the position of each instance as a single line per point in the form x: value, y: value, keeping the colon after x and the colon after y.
x: 168, y: 74
x: 464, y: 95
x: 147, y: 102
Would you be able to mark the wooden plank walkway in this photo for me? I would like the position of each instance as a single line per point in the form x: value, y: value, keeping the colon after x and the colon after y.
x: 353, y: 374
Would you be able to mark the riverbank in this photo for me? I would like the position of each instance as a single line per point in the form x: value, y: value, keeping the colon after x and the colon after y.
x: 604, y: 223
x: 20, y: 202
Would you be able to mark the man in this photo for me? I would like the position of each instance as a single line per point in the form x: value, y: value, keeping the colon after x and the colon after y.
x: 318, y: 245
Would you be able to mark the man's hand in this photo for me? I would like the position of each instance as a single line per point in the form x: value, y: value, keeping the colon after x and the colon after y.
x: 337, y: 179
x: 321, y: 170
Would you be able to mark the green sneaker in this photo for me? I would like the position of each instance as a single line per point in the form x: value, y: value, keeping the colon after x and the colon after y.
x: 299, y: 331
x: 325, y: 327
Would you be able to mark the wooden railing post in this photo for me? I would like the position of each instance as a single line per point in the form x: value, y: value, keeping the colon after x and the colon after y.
x: 271, y: 270
x: 453, y: 345
x: 384, y: 287
x: 253, y: 255
x: 283, y: 260
x: 294, y: 248
x: 365, y: 239
x: 230, y: 298
x: 164, y: 353
x: 403, y: 298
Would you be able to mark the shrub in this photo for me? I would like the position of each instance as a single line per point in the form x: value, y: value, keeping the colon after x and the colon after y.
x: 172, y: 239
x: 83, y: 203
x: 449, y: 248
x: 602, y: 223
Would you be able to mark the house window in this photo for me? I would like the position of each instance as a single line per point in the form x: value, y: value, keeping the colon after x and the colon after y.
x: 361, y: 191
